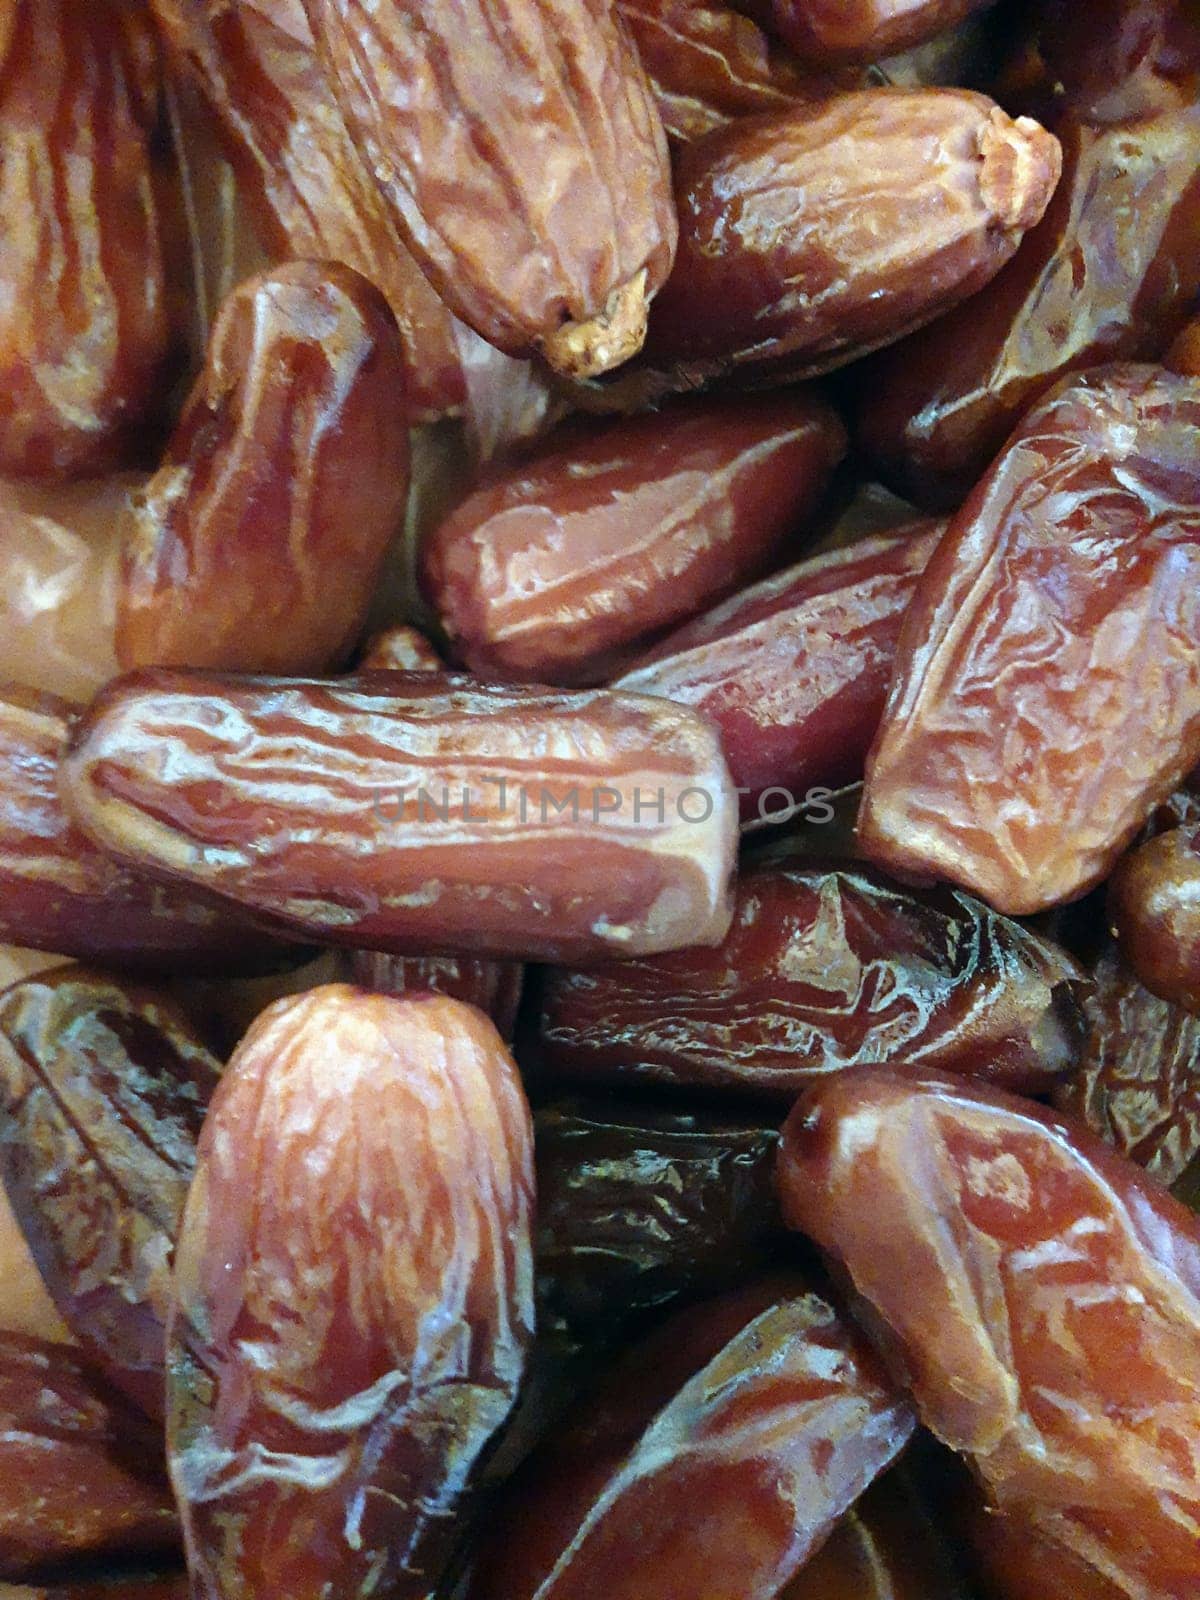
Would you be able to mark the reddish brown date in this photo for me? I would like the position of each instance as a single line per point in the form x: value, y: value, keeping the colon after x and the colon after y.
x: 826, y: 968
x: 557, y: 571
x: 416, y: 812
x: 1015, y: 755
x: 1154, y: 903
x: 400, y: 650
x: 794, y: 671
x: 354, y: 1279
x: 531, y: 183
x: 1184, y: 354
x: 809, y: 237
x: 81, y: 1470
x: 83, y: 323
x: 1016, y: 1562
x: 58, y: 892
x: 766, y: 1408
x: 258, y: 544
x: 103, y: 1088
x: 493, y: 986
x: 832, y: 31
x: 1039, y: 1294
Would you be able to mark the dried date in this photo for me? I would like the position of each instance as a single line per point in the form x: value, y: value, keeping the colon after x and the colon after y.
x: 597, y: 823
x: 827, y: 967
x: 354, y: 1279
x: 833, y: 31
x: 103, y: 1089
x: 135, y: 1587
x: 1015, y: 756
x: 493, y: 986
x: 27, y: 1307
x: 558, y: 570
x: 1153, y: 903
x: 400, y: 650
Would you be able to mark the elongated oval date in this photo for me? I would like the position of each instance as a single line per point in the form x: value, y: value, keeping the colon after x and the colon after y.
x: 1154, y: 903
x: 556, y: 571
x: 103, y: 1089
x: 59, y: 892
x: 827, y: 967
x: 258, y: 544
x: 400, y: 650
x: 1015, y: 756
x: 83, y: 331
x: 493, y: 986
x: 531, y: 181
x: 81, y: 1470
x: 781, y: 271
x: 418, y: 813
x: 776, y: 1418
x: 355, y: 1295
x: 1038, y: 1292
x: 640, y: 1206
x: 794, y: 671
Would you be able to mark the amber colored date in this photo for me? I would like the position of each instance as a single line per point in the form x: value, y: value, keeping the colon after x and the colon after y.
x: 417, y: 812
x: 794, y: 671
x: 1154, y: 903
x: 58, y: 892
x: 354, y: 1279
x: 83, y: 323
x: 258, y: 544
x: 1039, y: 1294
x: 827, y: 967
x: 103, y: 1089
x: 1015, y: 755
x: 493, y: 986
x: 560, y: 569
x: 832, y: 31
x: 81, y: 1469
x: 810, y: 237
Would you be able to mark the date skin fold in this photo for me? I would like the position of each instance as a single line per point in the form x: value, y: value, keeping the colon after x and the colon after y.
x: 827, y: 967
x: 765, y: 1408
x: 1038, y: 1294
x: 1154, y: 903
x: 561, y: 569
x: 794, y: 671
x: 530, y: 179
x: 1015, y: 755
x: 84, y: 336
x: 492, y: 986
x: 833, y: 31
x: 258, y: 545
x: 810, y: 237
x: 355, y: 1296
x: 416, y: 812
x: 103, y: 1089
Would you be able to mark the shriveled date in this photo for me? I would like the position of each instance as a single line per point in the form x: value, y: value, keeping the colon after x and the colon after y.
x: 1040, y: 1295
x: 103, y: 1089
x: 354, y: 1280
x: 257, y: 545
x: 418, y: 812
x: 827, y: 967
x: 531, y: 181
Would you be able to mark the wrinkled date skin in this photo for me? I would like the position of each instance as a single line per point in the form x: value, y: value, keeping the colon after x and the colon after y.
x: 355, y: 1295
x: 827, y: 967
x: 344, y: 810
x: 1015, y: 756
x: 557, y: 571
x: 794, y: 671
x: 103, y: 1089
x: 493, y: 986
x: 58, y: 892
x: 258, y: 544
x: 84, y: 332
x: 832, y: 31
x: 766, y: 1408
x: 1154, y: 903
x: 809, y: 237
x: 638, y: 1207
x: 532, y: 184
x: 81, y: 1469
x: 1138, y: 1084
x: 1039, y: 1294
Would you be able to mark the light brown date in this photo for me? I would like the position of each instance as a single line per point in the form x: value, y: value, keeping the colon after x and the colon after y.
x: 83, y: 322
x: 417, y: 812
x: 257, y: 545
x: 355, y: 1296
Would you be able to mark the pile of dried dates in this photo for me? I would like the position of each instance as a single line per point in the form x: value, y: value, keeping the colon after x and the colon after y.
x: 599, y: 800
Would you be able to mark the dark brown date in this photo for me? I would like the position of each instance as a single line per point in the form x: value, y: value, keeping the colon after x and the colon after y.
x: 827, y: 967
x: 1154, y: 903
x: 258, y: 544
x: 493, y: 986
x: 131, y: 1588
x: 103, y: 1089
x: 561, y: 569
x: 354, y: 1279
x: 1015, y: 756
x: 1037, y: 1292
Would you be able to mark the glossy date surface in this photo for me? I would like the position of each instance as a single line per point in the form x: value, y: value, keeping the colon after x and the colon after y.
x: 1154, y: 903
